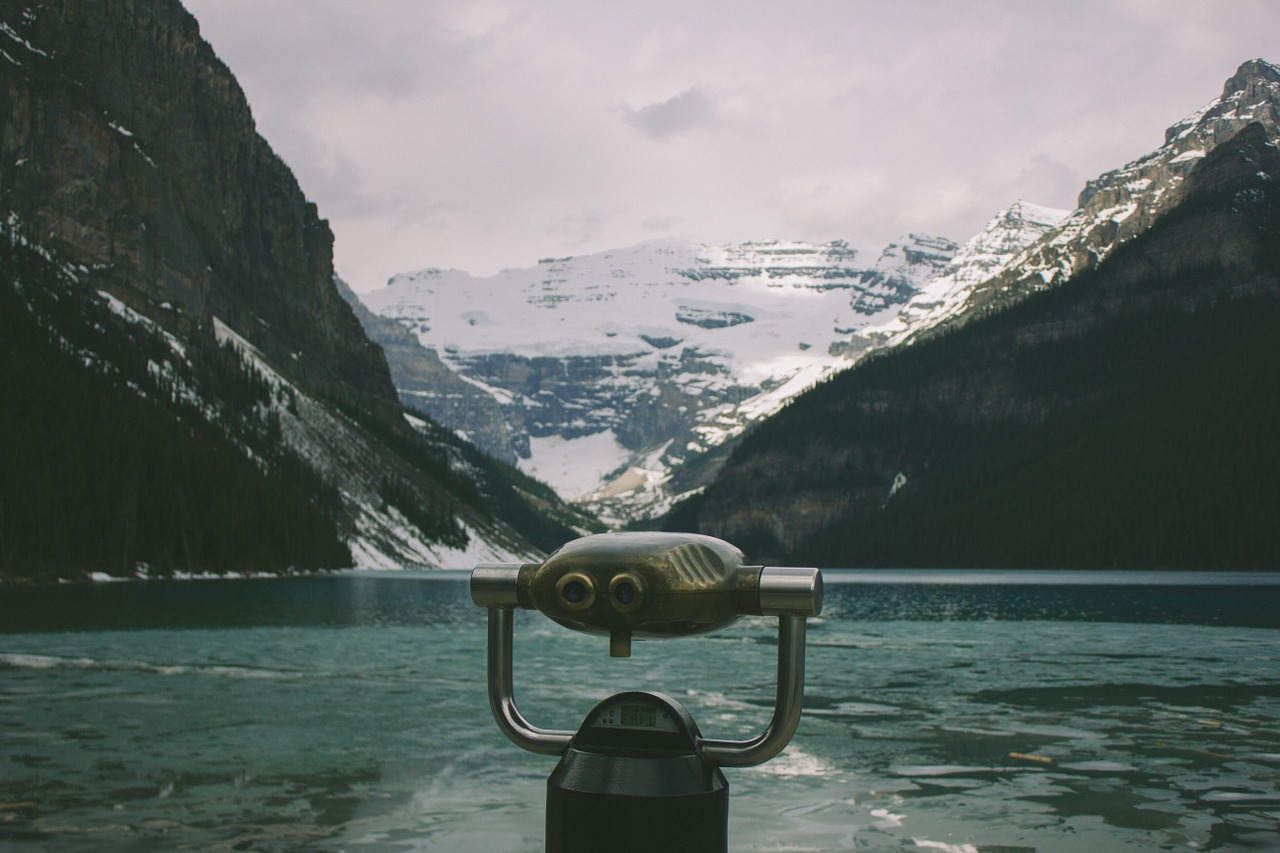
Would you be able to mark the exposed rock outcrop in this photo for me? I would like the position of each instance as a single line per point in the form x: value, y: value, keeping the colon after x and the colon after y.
x: 126, y: 144
x: 1118, y: 205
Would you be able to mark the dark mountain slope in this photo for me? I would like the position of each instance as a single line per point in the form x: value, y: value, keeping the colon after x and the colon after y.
x: 96, y: 476
x: 129, y: 147
x: 164, y: 266
x: 1123, y: 419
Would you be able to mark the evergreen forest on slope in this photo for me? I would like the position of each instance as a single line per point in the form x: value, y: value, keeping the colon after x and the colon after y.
x: 104, y: 469
x: 1125, y: 419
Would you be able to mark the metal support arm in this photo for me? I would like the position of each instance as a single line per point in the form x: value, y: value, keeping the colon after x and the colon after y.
x: 501, y: 692
x: 725, y: 753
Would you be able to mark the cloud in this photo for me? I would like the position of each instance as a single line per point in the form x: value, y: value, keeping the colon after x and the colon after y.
x: 689, y: 110
x: 578, y: 228
x: 482, y: 134
x: 1046, y: 181
x: 663, y: 223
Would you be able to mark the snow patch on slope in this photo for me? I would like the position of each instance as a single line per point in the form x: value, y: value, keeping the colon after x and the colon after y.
x: 575, y: 466
x: 383, y: 538
x: 982, y: 258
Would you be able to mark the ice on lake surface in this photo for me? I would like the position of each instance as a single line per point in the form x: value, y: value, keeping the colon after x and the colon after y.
x: 943, y: 712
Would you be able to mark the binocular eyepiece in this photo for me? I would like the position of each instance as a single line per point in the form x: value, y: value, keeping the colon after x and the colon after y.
x: 650, y: 585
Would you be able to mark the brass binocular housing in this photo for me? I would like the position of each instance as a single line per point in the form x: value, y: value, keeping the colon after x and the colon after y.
x: 650, y: 585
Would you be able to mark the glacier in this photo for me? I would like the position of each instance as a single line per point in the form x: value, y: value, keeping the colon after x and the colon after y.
x: 616, y: 367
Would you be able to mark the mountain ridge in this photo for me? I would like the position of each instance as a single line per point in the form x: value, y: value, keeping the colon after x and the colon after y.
x: 144, y: 213
x: 1122, y: 203
x: 1120, y: 419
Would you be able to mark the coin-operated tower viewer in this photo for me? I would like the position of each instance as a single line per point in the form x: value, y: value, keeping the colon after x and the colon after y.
x: 638, y: 775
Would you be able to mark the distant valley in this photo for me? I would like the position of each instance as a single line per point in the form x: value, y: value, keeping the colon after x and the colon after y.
x: 625, y: 379
x: 605, y: 374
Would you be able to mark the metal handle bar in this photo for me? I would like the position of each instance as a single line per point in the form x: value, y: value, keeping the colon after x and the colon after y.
x: 790, y: 594
x: 501, y: 694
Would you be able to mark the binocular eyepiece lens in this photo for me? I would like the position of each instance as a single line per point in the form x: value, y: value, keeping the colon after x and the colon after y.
x: 625, y: 593
x: 574, y: 592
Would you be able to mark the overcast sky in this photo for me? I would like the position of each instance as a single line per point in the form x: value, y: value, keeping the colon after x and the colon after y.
x: 483, y: 134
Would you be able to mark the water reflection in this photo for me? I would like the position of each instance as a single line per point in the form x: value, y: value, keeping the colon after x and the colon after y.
x: 344, y: 600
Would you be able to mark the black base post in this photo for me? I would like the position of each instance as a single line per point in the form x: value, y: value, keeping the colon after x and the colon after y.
x: 625, y: 790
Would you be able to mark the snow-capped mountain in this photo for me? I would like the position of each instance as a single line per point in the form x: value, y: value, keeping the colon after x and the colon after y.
x: 625, y: 363
x: 981, y: 259
x: 611, y: 371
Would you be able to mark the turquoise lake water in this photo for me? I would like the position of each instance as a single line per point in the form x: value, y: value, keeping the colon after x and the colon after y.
x: 991, y: 712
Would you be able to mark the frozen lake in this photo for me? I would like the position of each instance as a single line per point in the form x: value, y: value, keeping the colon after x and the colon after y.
x: 999, y: 712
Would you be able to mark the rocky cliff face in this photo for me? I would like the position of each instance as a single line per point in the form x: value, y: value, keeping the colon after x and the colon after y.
x: 983, y: 258
x: 1117, y: 206
x: 427, y: 385
x: 129, y: 147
